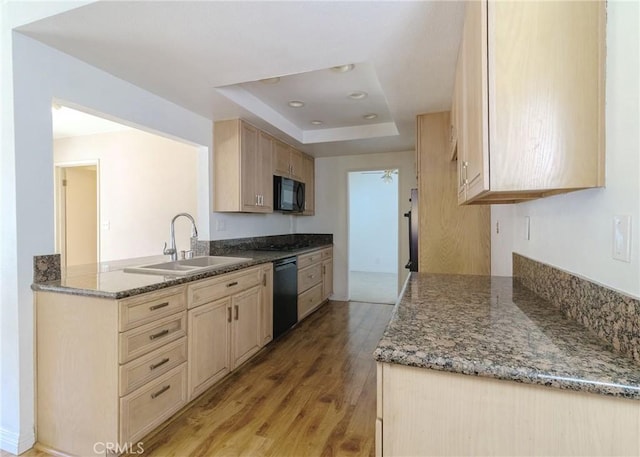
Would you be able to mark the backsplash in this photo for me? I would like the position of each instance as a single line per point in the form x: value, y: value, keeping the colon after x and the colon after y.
x: 46, y: 268
x: 613, y: 316
x: 222, y: 247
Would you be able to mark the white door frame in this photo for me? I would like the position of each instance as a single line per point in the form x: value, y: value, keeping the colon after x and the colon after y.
x: 60, y: 210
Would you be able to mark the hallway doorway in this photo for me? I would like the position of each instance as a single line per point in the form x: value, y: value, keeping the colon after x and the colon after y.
x: 373, y: 236
x: 77, y: 213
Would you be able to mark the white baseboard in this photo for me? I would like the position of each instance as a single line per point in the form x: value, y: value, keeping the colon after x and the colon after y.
x: 16, y: 443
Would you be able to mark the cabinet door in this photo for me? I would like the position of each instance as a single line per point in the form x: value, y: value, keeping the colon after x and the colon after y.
x: 327, y: 278
x: 296, y: 160
x: 249, y: 167
x: 266, y: 315
x: 474, y: 155
x: 209, y: 341
x: 280, y: 158
x: 309, y: 185
x: 264, y: 176
x: 246, y: 327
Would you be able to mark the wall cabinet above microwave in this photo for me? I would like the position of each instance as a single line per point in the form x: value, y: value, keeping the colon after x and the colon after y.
x: 246, y: 159
x: 528, y: 119
x: 242, y: 168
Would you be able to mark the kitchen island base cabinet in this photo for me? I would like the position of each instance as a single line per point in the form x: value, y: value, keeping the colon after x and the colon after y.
x: 427, y: 412
x: 315, y: 280
x: 225, y: 329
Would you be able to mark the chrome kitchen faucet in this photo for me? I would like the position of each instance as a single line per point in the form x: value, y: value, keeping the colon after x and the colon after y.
x: 172, y: 234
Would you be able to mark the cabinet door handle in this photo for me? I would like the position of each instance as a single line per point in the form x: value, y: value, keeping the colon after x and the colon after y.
x: 159, y: 334
x: 228, y: 314
x: 161, y: 391
x: 231, y: 284
x: 161, y: 305
x: 237, y: 312
x: 159, y: 364
x: 264, y: 279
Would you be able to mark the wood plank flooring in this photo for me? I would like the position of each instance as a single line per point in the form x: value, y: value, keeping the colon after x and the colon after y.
x: 311, y: 393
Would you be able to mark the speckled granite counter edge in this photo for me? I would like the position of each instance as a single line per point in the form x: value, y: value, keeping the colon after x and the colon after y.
x: 57, y: 287
x: 611, y: 315
x: 524, y: 376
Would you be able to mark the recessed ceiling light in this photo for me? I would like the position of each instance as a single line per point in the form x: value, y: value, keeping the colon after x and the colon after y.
x: 317, y: 122
x: 370, y: 116
x: 274, y: 80
x: 296, y: 104
x: 358, y: 95
x: 343, y: 68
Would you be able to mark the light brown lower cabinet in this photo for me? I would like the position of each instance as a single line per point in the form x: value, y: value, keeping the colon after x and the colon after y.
x: 111, y: 371
x: 228, y: 330
x: 315, y: 280
x: 428, y: 412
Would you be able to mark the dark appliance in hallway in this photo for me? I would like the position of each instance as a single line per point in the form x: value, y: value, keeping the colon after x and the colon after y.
x: 285, y: 295
x: 412, y: 215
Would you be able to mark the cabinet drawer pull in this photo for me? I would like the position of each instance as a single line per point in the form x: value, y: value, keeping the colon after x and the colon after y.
x: 159, y: 364
x: 231, y: 284
x: 237, y: 312
x: 161, y: 305
x: 229, y: 315
x: 161, y: 391
x: 159, y: 334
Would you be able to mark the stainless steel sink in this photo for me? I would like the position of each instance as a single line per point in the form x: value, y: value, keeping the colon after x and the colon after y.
x: 187, y: 266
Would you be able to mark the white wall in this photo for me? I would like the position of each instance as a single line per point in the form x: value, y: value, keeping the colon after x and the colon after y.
x: 332, y: 207
x: 33, y: 76
x: 144, y: 181
x: 373, y: 227
x: 574, y: 232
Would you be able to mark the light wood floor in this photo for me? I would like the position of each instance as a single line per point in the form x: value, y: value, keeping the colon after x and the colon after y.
x: 311, y: 393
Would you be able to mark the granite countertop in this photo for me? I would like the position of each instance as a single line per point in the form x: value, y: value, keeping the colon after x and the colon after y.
x: 108, y: 280
x: 494, y: 327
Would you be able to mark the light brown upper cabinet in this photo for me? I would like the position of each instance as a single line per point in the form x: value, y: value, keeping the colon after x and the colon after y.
x: 308, y: 178
x: 242, y: 168
x: 287, y: 161
x: 530, y: 109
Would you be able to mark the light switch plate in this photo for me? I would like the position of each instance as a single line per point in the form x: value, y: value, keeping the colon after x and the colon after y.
x: 527, y: 228
x: 622, y: 238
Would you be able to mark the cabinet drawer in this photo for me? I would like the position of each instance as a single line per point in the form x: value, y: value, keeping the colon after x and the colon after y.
x: 146, y: 408
x: 149, y: 307
x: 326, y: 253
x: 309, y: 277
x: 305, y: 260
x: 222, y: 286
x: 146, y: 338
x: 309, y: 300
x: 148, y: 367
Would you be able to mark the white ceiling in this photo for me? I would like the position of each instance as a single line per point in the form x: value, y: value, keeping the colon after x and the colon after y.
x: 191, y: 52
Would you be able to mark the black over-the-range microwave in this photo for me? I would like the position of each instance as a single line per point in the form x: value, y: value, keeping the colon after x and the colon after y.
x: 288, y: 195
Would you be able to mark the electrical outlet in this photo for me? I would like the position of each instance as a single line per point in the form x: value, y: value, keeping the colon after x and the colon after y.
x: 220, y: 226
x: 106, y: 226
x: 622, y: 238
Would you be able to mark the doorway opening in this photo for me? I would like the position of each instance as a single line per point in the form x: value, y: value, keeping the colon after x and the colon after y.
x: 141, y: 180
x: 373, y: 236
x: 77, y: 214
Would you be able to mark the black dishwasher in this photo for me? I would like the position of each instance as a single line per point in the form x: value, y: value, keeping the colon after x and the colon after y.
x: 285, y: 295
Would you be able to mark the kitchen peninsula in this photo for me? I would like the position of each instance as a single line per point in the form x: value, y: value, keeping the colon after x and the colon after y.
x: 120, y: 353
x: 448, y: 361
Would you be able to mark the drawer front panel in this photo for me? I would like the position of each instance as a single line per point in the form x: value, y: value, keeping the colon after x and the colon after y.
x: 148, y: 367
x: 309, y: 300
x: 309, y: 277
x: 223, y: 286
x: 305, y: 260
x: 326, y: 253
x: 146, y: 338
x: 149, y: 307
x: 146, y: 408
